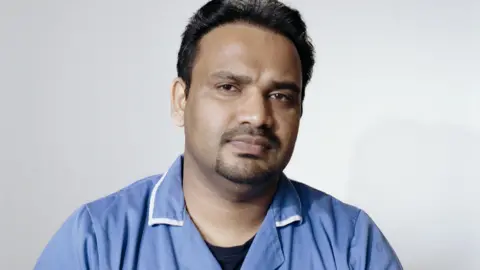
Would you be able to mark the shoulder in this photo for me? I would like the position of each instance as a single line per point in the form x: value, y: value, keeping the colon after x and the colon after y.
x: 350, y: 226
x: 318, y: 203
x: 75, y: 243
x: 328, y: 214
x: 132, y: 199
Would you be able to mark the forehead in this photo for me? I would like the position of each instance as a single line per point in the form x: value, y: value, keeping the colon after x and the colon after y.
x: 248, y: 49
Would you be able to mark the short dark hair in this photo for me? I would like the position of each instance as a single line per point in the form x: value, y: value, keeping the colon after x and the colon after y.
x: 270, y: 14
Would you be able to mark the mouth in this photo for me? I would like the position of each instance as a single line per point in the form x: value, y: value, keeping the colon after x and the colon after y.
x: 251, y: 145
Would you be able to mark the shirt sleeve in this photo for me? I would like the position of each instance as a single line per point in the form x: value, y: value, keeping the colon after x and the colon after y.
x: 369, y: 249
x: 73, y: 246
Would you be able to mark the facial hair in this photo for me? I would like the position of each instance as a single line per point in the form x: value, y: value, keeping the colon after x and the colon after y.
x: 246, y: 173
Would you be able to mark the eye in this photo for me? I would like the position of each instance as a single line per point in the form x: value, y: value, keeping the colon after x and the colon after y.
x: 227, y: 87
x: 281, y: 97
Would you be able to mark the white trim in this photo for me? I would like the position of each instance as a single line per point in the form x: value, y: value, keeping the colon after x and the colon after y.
x: 173, y: 222
x: 155, y: 221
x: 287, y: 221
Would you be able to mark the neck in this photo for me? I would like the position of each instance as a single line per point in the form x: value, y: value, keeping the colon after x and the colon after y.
x: 225, y: 213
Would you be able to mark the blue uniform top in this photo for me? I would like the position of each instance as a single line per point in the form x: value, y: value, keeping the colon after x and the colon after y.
x: 146, y: 226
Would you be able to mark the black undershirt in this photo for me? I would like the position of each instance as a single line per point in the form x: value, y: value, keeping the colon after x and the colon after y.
x: 230, y: 258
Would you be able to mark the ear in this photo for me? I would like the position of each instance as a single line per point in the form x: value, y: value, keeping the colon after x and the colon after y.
x: 178, y: 101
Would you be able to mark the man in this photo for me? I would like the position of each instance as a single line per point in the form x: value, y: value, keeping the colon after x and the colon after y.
x: 225, y: 203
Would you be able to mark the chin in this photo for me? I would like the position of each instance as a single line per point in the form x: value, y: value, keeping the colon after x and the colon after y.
x: 250, y: 180
x: 248, y: 171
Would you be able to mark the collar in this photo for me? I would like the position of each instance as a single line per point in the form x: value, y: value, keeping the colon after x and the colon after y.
x: 167, y: 204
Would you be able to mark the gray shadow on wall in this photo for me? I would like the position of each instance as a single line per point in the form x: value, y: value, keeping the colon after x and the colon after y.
x: 420, y: 185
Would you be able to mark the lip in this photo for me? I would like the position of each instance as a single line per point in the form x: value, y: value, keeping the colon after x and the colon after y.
x: 252, y: 145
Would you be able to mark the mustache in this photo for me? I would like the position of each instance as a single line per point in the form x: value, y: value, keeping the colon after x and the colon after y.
x: 266, y: 133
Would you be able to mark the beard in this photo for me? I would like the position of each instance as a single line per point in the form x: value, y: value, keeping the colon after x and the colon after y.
x: 246, y: 172
x: 245, y: 169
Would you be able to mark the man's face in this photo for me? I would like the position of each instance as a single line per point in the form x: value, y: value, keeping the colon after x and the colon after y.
x: 242, y: 113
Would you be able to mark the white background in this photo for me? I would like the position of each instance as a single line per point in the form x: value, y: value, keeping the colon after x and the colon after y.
x: 391, y: 123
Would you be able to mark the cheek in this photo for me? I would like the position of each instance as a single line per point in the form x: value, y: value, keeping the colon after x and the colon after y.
x: 207, y: 123
x: 288, y: 133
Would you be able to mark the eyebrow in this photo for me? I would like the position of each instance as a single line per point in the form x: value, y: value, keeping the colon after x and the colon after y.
x: 227, y: 75
x: 243, y: 79
x: 287, y: 86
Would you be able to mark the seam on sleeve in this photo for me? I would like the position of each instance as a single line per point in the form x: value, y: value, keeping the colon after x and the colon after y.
x: 355, y: 224
x: 93, y: 222
x: 349, y: 256
x: 354, y: 230
x: 97, y: 266
x: 75, y: 243
x: 106, y: 211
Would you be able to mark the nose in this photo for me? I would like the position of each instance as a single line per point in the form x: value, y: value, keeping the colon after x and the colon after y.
x: 255, y: 110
